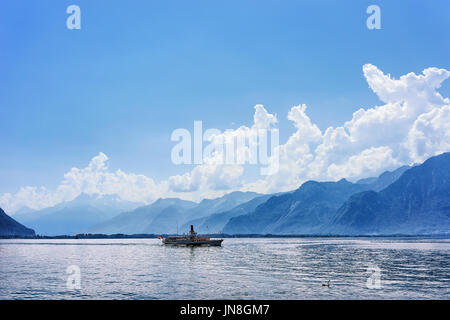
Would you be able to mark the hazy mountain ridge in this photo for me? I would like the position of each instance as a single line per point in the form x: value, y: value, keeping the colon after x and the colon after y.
x: 165, y: 215
x: 385, y: 179
x: 74, y: 216
x: 138, y: 220
x: 215, y: 222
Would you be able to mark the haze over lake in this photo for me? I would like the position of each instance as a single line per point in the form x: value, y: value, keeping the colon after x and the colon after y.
x: 268, y: 268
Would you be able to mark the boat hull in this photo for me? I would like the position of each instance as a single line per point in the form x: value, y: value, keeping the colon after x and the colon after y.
x: 189, y: 243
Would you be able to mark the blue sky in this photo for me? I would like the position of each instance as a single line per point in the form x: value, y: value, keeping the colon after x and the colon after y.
x: 137, y: 70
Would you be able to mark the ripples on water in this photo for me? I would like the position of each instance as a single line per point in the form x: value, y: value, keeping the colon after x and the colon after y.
x: 265, y: 268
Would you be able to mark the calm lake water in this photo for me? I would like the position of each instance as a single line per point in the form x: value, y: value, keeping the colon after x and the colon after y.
x: 292, y: 268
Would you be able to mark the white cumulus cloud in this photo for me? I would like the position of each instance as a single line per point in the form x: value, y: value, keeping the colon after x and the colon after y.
x: 411, y: 125
x: 93, y: 179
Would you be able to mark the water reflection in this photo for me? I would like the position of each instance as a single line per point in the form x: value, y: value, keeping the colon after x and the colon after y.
x: 241, y: 269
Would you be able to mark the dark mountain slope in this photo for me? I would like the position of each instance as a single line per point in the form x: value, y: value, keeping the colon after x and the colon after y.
x: 10, y: 227
x: 417, y: 203
x: 303, y: 211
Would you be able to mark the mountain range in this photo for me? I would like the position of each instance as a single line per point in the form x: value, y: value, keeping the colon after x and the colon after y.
x: 408, y: 200
x: 418, y: 202
x: 215, y: 222
x: 168, y: 215
x: 307, y: 209
x: 74, y: 216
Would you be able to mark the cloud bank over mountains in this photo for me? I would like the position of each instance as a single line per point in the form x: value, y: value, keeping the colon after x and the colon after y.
x: 412, y: 125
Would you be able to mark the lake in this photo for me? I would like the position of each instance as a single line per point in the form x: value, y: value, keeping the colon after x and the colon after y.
x: 265, y: 268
